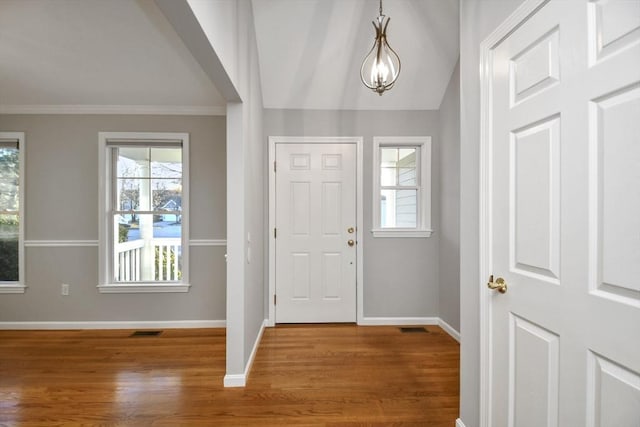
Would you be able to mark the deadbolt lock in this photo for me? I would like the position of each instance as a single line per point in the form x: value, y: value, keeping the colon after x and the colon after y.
x: 350, y: 230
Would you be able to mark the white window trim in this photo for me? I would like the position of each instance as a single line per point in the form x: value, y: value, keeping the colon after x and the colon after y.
x: 104, y: 202
x: 424, y: 215
x: 18, y: 287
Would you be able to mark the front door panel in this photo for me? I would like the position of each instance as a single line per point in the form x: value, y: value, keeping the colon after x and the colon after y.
x: 316, y: 238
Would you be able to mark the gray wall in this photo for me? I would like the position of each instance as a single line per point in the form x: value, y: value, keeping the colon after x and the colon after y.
x: 450, y: 203
x: 255, y: 196
x: 62, y: 204
x: 477, y: 20
x: 400, y: 275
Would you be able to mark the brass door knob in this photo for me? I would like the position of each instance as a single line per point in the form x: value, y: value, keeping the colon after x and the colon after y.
x: 350, y: 230
x: 500, y: 285
x: 351, y: 243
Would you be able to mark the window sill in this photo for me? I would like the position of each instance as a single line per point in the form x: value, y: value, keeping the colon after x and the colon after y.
x: 378, y: 232
x: 12, y: 288
x: 144, y: 288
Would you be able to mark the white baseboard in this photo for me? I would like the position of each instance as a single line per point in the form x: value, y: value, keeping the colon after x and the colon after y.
x: 459, y: 423
x: 235, y: 380
x: 449, y: 329
x: 161, y: 324
x: 240, y: 380
x: 398, y: 321
x: 401, y: 321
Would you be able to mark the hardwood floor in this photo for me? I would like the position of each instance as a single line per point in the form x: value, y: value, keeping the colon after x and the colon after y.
x: 329, y: 375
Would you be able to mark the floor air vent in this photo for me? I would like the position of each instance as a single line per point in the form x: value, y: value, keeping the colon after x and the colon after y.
x: 146, y: 333
x: 413, y: 330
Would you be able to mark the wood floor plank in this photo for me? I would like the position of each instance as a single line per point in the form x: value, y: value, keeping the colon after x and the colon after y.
x: 303, y: 375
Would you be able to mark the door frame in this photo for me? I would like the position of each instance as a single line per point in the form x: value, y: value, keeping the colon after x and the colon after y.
x: 358, y: 141
x: 485, y: 261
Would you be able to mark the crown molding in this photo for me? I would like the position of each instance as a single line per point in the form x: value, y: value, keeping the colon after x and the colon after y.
x: 169, y: 110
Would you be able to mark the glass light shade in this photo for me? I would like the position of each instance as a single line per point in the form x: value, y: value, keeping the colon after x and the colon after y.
x: 381, y: 67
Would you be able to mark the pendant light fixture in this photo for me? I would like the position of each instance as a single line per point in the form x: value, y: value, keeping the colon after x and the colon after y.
x: 381, y: 67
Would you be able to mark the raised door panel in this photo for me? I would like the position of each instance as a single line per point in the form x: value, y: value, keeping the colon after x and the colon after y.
x: 613, y: 394
x: 614, y: 26
x: 535, y: 195
x: 332, y: 276
x: 534, y: 375
x: 616, y: 193
x: 300, y: 205
x: 535, y: 68
x: 331, y: 209
x: 300, y: 276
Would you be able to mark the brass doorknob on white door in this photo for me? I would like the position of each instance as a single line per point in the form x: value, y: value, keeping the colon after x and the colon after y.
x: 350, y: 230
x: 500, y: 285
x: 351, y: 243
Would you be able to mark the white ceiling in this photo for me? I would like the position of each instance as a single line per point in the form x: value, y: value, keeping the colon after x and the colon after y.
x: 95, y: 52
x: 125, y: 53
x: 311, y: 52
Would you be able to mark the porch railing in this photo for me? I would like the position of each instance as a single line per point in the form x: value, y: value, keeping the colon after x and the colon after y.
x: 165, y: 265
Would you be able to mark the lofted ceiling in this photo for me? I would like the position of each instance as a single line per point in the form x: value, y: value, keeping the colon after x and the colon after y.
x: 310, y: 52
x: 124, y: 53
x: 97, y: 53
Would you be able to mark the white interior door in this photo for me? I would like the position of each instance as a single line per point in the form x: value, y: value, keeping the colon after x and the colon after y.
x: 564, y: 216
x: 315, y: 233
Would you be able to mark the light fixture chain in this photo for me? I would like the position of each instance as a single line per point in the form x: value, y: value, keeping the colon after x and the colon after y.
x: 380, y: 7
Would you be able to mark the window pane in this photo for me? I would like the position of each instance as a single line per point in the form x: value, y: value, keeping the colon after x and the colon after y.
x: 406, y: 208
x: 407, y: 157
x: 166, y: 162
x: 388, y: 176
x: 167, y: 194
x: 133, y: 162
x: 147, y: 248
x: 398, y: 208
x: 9, y: 253
x: 398, y: 167
x: 407, y: 176
x: 9, y: 163
x: 9, y: 179
x: 129, y: 194
x: 388, y: 157
x: 136, y: 165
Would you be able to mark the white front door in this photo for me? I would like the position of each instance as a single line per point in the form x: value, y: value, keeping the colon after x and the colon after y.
x: 315, y: 233
x: 562, y: 120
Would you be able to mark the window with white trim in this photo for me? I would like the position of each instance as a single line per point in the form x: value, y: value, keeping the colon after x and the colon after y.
x: 144, y: 202
x: 12, y: 212
x: 402, y: 186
